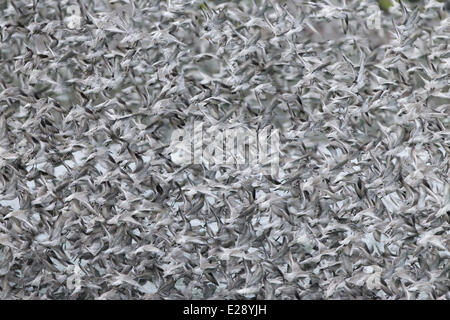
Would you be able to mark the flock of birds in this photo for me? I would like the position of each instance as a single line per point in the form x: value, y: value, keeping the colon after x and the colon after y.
x: 92, y: 207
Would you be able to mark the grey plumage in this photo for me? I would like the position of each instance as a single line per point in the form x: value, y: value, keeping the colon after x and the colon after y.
x: 92, y: 206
